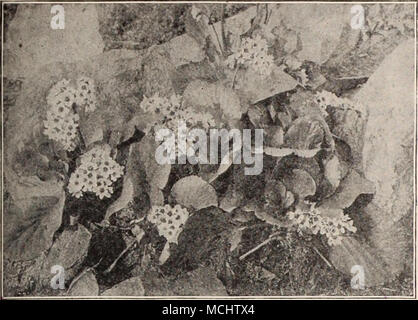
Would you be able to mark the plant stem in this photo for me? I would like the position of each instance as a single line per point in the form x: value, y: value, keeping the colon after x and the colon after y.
x: 235, y: 75
x: 217, y: 38
x: 322, y: 257
x: 271, y: 238
x: 120, y: 256
x: 223, y: 27
x: 267, y: 14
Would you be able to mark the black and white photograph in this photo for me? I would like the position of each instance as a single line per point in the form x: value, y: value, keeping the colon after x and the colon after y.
x: 155, y: 150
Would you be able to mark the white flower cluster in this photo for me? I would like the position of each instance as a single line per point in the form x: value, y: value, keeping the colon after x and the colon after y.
x: 61, y: 122
x: 96, y: 173
x: 169, y: 220
x: 172, y: 112
x: 326, y: 98
x: 252, y: 53
x: 332, y: 228
x: 86, y: 94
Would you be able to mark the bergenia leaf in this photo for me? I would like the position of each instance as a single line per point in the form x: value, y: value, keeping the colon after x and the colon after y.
x: 349, y: 189
x: 156, y: 196
x: 215, y: 99
x: 125, y: 198
x: 225, y: 164
x: 69, y: 248
x: 333, y: 172
x: 235, y: 238
x: 202, y: 281
x: 264, y: 216
x: 231, y: 200
x: 86, y: 285
x: 33, y: 214
x: 318, y: 35
x: 283, y: 152
x: 130, y: 287
x: 256, y: 87
x: 194, y: 192
x: 304, y: 133
x: 157, y: 174
x: 300, y: 183
x: 165, y: 254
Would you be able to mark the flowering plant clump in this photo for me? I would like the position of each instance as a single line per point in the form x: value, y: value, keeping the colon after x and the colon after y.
x: 169, y: 220
x: 61, y: 122
x: 326, y: 98
x: 252, y: 53
x: 96, y: 173
x: 312, y: 220
x: 171, y: 113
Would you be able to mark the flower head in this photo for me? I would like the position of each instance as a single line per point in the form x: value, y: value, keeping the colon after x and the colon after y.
x: 62, y: 127
x: 252, y: 53
x: 86, y: 94
x: 171, y: 114
x: 96, y: 173
x: 61, y: 122
x: 333, y: 228
x: 325, y: 99
x: 169, y: 220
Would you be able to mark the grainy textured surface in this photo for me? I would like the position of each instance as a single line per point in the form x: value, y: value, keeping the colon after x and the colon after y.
x: 144, y: 25
x: 336, y: 107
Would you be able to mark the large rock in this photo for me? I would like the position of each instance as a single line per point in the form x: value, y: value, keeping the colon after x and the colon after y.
x: 388, y: 98
x: 388, y: 101
x: 388, y: 156
x: 31, y: 42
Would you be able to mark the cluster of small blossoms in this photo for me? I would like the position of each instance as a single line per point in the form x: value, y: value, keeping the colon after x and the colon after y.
x: 169, y: 220
x: 252, y: 53
x: 326, y: 98
x: 61, y: 122
x: 86, y: 94
x: 333, y: 228
x: 96, y: 173
x: 61, y: 125
x: 171, y: 113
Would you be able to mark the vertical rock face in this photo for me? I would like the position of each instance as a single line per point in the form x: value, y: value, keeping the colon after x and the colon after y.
x: 388, y: 98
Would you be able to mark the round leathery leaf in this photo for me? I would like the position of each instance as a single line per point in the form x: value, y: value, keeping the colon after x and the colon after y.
x: 300, y: 183
x: 304, y: 134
